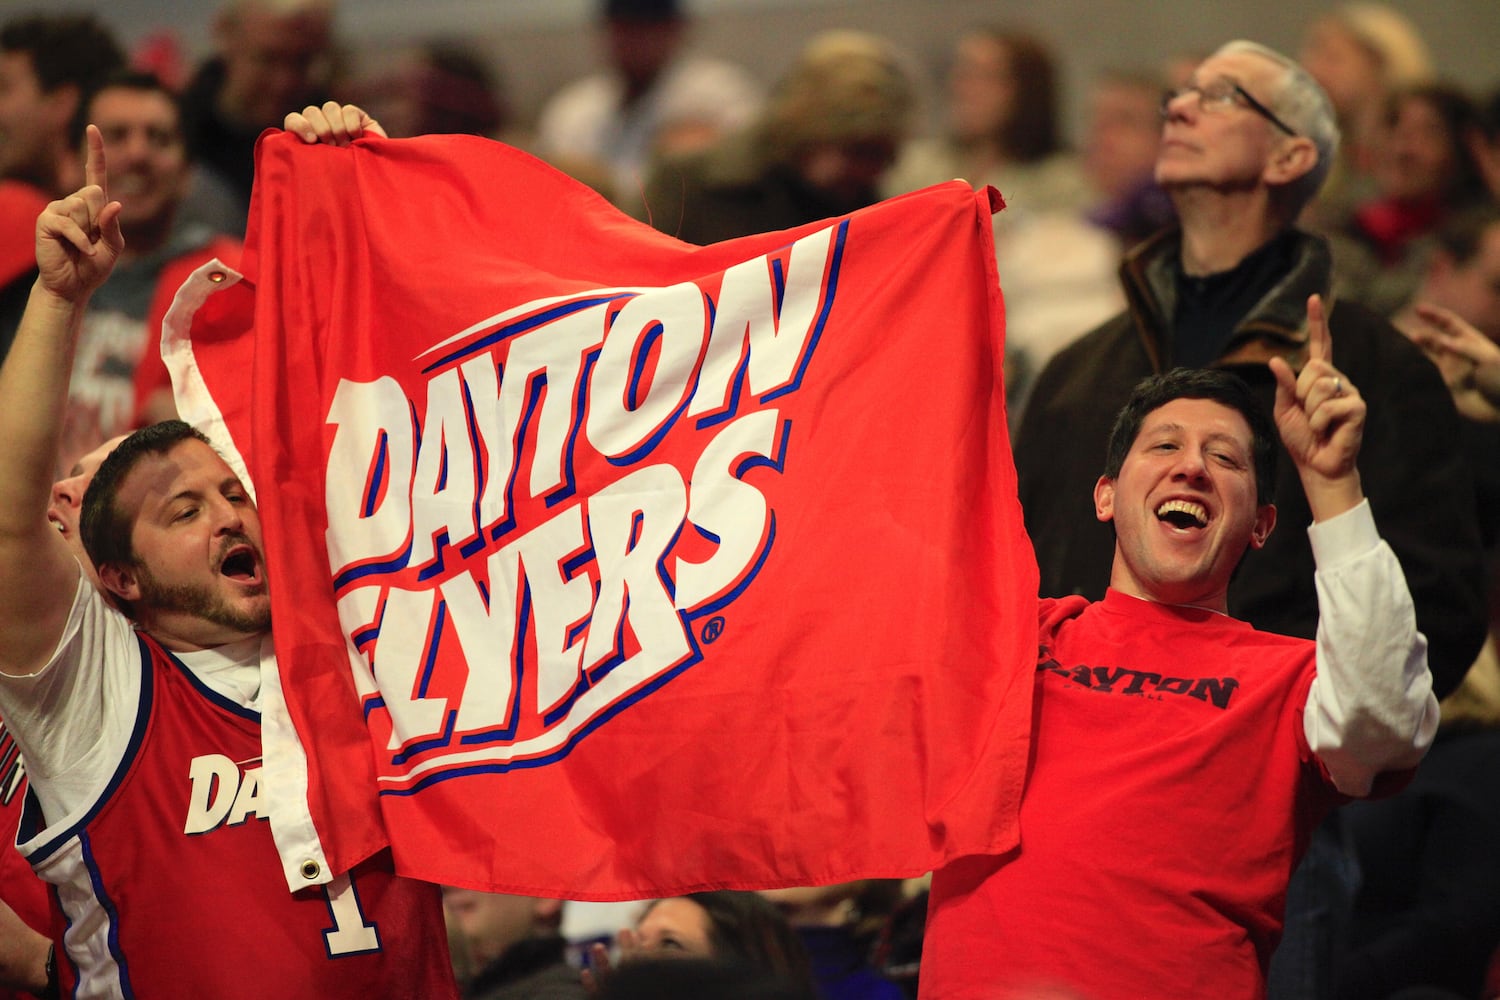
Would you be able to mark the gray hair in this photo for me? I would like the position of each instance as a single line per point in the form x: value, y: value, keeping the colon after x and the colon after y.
x: 1300, y: 102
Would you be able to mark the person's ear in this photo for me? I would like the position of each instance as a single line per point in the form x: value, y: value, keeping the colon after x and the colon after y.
x: 1104, y: 499
x: 1265, y: 521
x: 119, y: 581
x: 1292, y: 159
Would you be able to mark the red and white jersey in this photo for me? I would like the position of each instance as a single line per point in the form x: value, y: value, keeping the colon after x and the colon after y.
x: 20, y: 889
x: 170, y: 883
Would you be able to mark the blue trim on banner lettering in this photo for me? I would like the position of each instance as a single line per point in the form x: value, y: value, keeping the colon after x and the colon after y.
x: 730, y: 597
x: 372, y: 703
x: 580, y: 402
x: 601, y: 670
x: 719, y: 416
x: 638, y: 364
x: 588, y: 678
x: 736, y: 381
x: 829, y: 290
x: 348, y: 576
x: 534, y: 386
x: 434, y: 640
x: 776, y: 461
x: 649, y: 445
x: 500, y: 767
x: 521, y: 326
x: 508, y: 731
x: 440, y: 544
x: 419, y: 747
x: 377, y: 475
x: 481, y: 464
x: 778, y: 283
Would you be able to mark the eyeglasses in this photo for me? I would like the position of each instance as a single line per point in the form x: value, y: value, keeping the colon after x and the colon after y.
x: 1221, y: 95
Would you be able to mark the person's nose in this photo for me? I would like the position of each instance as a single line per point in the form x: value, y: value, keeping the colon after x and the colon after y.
x: 1190, y: 467
x: 229, y: 518
x: 68, y: 492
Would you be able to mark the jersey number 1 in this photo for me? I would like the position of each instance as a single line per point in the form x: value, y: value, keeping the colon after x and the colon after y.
x: 350, y: 934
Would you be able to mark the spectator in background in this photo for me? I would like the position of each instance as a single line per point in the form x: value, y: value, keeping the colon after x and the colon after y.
x: 838, y: 924
x: 1121, y: 137
x: 1003, y: 128
x: 438, y: 88
x: 697, y: 979
x: 1424, y: 171
x: 1057, y: 270
x: 1484, y: 143
x: 512, y: 946
x: 655, y: 98
x: 148, y: 164
x: 1360, y: 54
x: 827, y: 136
x: 1245, y: 146
x: 740, y: 927
x: 49, y: 65
x: 1427, y: 912
x: 273, y: 57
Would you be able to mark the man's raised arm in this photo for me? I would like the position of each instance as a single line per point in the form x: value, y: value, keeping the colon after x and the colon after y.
x: 1370, y: 708
x: 77, y: 242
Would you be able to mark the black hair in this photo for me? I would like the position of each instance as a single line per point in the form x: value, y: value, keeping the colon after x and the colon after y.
x: 682, y: 978
x: 1461, y: 118
x: 747, y: 927
x: 123, y: 79
x: 1462, y: 233
x: 104, y: 528
x: 64, y: 49
x: 1155, y: 391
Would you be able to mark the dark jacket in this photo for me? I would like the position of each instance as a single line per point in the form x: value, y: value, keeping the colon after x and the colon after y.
x: 532, y: 969
x: 1411, y: 466
x: 735, y: 188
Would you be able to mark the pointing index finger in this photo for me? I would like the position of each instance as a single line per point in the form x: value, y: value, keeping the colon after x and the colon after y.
x: 94, y: 170
x: 1319, y: 341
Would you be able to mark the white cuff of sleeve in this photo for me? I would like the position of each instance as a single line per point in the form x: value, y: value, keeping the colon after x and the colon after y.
x: 1345, y: 538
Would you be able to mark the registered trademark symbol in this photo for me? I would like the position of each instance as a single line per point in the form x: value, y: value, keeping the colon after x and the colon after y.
x: 712, y: 629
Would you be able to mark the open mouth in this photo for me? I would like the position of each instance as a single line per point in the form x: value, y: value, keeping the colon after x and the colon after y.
x: 240, y: 564
x: 1183, y: 514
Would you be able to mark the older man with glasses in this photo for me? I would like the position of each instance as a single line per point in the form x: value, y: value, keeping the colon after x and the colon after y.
x: 1245, y: 147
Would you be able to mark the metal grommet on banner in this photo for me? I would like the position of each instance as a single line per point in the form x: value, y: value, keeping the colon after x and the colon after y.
x: 216, y: 276
x: 310, y: 869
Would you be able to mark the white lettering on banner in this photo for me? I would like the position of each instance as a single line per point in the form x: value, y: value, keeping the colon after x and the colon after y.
x: 455, y: 513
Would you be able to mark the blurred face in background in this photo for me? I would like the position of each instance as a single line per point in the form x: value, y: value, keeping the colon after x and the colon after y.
x: 1418, y: 155
x: 148, y: 165
x: 675, y: 926
x: 1124, y: 131
x: 274, y: 60
x: 981, y: 88
x: 488, y: 923
x: 30, y: 121
x: 641, y: 48
x: 1346, y: 69
x: 1471, y: 289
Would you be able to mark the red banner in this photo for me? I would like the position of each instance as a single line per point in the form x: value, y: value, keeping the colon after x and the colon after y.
x: 615, y: 567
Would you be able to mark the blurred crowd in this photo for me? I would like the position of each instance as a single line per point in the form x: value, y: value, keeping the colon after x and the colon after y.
x: 706, y: 150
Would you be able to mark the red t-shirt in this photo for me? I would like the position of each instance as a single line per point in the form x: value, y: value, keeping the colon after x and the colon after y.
x: 1170, y: 794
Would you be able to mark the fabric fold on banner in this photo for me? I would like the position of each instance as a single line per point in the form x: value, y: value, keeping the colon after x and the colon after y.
x: 604, y: 566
